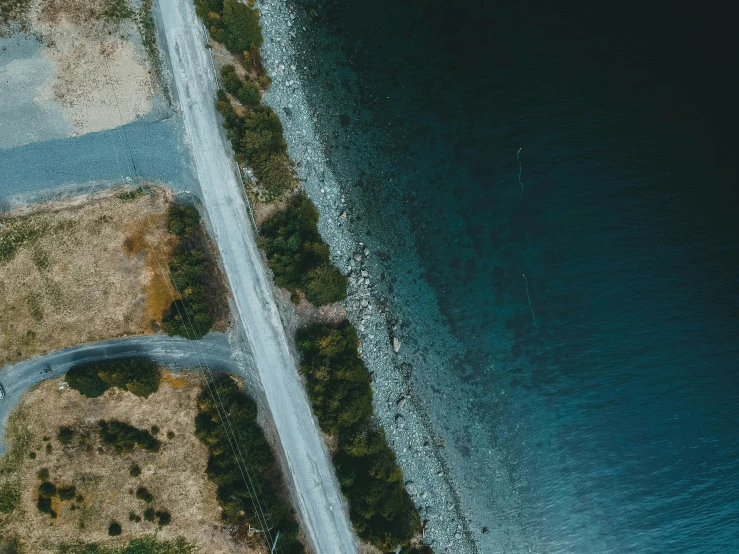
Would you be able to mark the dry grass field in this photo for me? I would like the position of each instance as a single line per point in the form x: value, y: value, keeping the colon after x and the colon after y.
x: 175, y: 475
x: 83, y: 270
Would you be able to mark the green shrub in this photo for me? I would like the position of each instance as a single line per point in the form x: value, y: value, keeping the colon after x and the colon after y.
x: 47, y: 489
x: 183, y: 220
x: 136, y: 376
x: 154, y: 430
x: 146, y: 545
x: 298, y: 256
x: 135, y: 470
x: 191, y: 273
x: 164, y: 518
x: 44, y: 506
x: 123, y: 438
x: 67, y: 492
x: 234, y: 495
x: 43, y: 474
x: 114, y: 529
x: 170, y: 435
x: 246, y: 92
x: 149, y: 514
x: 65, y: 435
x: 133, y: 517
x: 142, y: 493
x: 339, y: 389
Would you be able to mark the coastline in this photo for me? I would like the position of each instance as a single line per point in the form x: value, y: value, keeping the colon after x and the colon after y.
x: 418, y: 446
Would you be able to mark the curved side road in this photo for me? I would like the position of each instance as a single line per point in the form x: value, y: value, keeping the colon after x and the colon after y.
x: 213, y: 350
x: 318, y: 499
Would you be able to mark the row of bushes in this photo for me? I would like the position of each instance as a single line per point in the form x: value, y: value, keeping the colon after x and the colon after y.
x: 146, y: 545
x: 47, y: 490
x: 298, y: 256
x: 235, y: 497
x: 339, y: 389
x: 137, y: 376
x: 191, y: 315
x: 123, y: 438
x: 257, y: 139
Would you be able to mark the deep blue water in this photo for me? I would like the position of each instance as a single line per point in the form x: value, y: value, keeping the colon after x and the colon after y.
x: 615, y: 427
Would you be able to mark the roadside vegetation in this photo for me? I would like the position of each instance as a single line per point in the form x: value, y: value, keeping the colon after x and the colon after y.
x: 339, y: 389
x: 298, y: 256
x: 195, y: 277
x: 339, y: 385
x: 236, y: 498
x: 139, y: 377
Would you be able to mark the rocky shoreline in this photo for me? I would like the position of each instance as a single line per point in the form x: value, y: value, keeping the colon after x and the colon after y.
x: 409, y: 432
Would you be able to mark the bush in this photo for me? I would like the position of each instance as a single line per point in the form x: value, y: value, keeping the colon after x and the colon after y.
x: 149, y: 514
x: 46, y: 489
x: 298, y: 256
x: 339, y: 389
x: 93, y: 379
x: 183, y: 220
x: 135, y: 470
x: 123, y: 438
x: 43, y: 474
x: 154, y: 430
x: 67, y: 492
x: 65, y: 435
x: 133, y: 517
x: 164, y: 518
x: 232, y: 23
x: 44, y: 506
x: 142, y: 493
x: 234, y: 495
x: 246, y: 92
x: 114, y: 529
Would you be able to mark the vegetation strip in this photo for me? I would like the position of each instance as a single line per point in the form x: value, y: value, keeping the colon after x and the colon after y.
x: 240, y: 505
x: 339, y: 384
x: 193, y: 276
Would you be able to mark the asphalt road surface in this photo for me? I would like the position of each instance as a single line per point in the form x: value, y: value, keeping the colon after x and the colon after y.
x: 315, y: 489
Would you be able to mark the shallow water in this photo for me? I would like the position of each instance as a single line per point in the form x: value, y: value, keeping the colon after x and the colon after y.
x: 614, y: 427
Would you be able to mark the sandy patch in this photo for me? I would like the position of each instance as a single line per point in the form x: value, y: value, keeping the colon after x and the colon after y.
x: 101, y: 78
x: 83, y: 270
x: 175, y: 475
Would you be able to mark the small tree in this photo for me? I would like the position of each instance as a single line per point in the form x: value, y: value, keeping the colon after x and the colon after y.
x: 114, y: 529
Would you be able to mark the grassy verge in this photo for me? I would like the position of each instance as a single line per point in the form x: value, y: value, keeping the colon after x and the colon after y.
x: 234, y: 496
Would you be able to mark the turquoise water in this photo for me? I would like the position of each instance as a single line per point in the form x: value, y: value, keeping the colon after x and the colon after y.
x: 611, y: 425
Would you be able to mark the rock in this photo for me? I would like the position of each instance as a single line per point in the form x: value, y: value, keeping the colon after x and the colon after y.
x: 366, y: 251
x: 396, y: 345
x: 411, y: 488
x: 364, y: 273
x: 399, y: 419
x: 401, y: 401
x: 358, y: 257
x: 343, y: 215
x: 364, y: 303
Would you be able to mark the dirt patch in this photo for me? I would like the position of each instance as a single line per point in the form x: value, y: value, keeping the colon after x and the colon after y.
x: 68, y: 274
x: 103, y: 77
x: 175, y: 475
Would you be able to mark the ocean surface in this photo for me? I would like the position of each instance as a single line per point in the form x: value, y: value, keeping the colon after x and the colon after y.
x: 592, y: 405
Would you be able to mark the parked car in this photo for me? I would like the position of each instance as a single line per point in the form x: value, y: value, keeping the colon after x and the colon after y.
x: 2, y: 391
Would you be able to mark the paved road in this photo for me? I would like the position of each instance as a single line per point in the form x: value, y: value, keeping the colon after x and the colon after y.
x: 212, y: 350
x: 315, y: 489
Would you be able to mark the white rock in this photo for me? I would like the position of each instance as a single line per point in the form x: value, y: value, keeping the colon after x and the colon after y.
x: 396, y: 345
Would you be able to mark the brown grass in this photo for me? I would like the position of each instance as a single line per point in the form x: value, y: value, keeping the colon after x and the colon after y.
x: 78, y: 279
x: 175, y: 475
